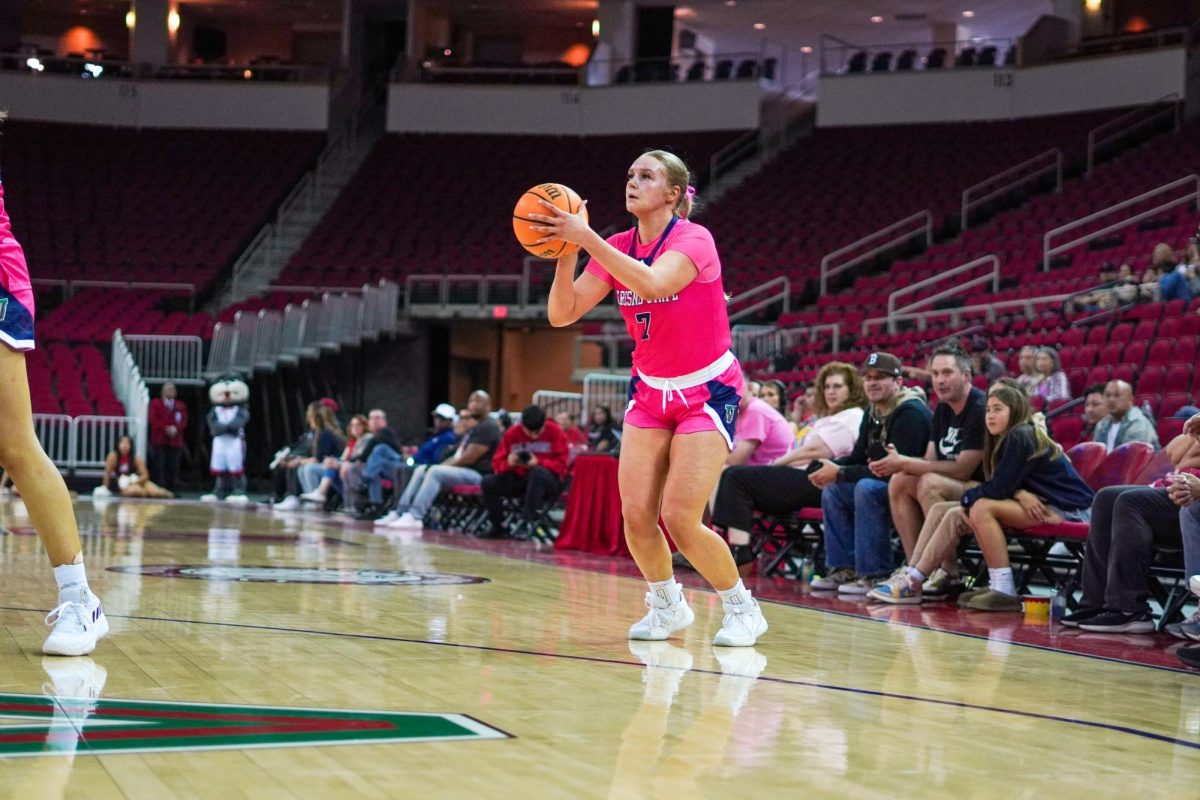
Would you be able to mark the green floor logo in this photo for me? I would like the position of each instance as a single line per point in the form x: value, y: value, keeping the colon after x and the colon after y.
x: 34, y: 725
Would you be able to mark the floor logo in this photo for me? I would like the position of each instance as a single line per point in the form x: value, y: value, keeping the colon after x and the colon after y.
x: 265, y: 574
x: 35, y: 725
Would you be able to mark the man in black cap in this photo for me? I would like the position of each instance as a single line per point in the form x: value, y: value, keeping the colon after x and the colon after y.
x: 858, y: 520
x: 531, y: 461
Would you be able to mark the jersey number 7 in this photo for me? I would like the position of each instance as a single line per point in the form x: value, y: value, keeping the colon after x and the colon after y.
x: 644, y: 318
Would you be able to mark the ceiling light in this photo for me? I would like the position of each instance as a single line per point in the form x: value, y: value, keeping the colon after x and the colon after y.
x: 806, y: 49
x: 173, y: 21
x: 595, y: 28
x: 35, y: 64
x: 130, y: 19
x: 968, y: 14
x: 877, y: 19
x: 1092, y: 5
x: 760, y: 26
x: 731, y: 3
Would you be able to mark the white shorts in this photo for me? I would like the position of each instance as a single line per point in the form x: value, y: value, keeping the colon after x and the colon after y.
x: 228, y: 455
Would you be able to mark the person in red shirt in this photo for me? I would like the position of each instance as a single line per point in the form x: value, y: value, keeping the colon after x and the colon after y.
x: 575, y: 434
x: 531, y: 460
x: 168, y: 420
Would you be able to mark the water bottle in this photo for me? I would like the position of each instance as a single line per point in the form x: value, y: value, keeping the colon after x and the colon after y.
x: 806, y: 571
x: 1058, y: 604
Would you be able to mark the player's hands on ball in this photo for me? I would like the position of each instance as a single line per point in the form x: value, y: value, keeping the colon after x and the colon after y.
x: 560, y: 224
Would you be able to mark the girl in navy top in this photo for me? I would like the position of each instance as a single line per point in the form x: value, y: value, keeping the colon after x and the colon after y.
x: 1028, y: 482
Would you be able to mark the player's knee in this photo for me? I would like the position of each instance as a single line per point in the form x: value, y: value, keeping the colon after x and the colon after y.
x: 17, y: 451
x: 639, y: 517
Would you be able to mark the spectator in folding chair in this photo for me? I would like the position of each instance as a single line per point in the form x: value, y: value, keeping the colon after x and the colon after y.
x: 1128, y: 523
x: 378, y: 460
x: 332, y: 467
x: 467, y: 467
x: 1095, y: 408
x: 602, y: 434
x: 952, y: 462
x: 803, y: 412
x: 854, y: 501
x: 1029, y: 481
x: 783, y: 486
x: 437, y: 447
x: 464, y: 421
x: 576, y: 436
x: 774, y: 394
x: 1125, y: 422
x: 1185, y: 493
x: 301, y: 469
x: 531, y: 460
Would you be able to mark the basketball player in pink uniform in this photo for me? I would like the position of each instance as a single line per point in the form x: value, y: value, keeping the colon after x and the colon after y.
x: 78, y: 620
x: 684, y: 394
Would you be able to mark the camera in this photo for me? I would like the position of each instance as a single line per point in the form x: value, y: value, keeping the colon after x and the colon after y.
x: 876, y: 451
x: 524, y: 456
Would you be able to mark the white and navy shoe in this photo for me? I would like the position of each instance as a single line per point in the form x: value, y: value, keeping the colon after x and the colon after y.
x: 78, y: 625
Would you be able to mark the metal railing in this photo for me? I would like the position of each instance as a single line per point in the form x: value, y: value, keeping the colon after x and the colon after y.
x: 758, y: 342
x: 1123, y: 43
x: 102, y: 67
x: 605, y: 390
x: 1028, y: 171
x: 839, y: 57
x: 777, y: 290
x: 787, y: 338
x: 131, y: 390
x: 1027, y: 305
x: 82, y: 443
x: 1135, y: 120
x: 173, y: 359
x: 69, y: 287
x: 263, y: 339
x: 991, y: 276
x: 895, y: 235
x: 750, y: 342
x: 1189, y: 186
x: 559, y: 402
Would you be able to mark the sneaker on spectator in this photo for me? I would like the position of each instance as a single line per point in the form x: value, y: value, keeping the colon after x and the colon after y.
x: 388, y: 518
x: 834, y: 579
x: 941, y: 585
x: 861, y: 585
x: 1119, y: 622
x: 970, y: 594
x: 1074, y: 619
x: 991, y: 600
x: 289, y: 503
x: 1194, y: 585
x: 899, y: 589
x: 1190, y: 656
x: 407, y: 520
x: 1188, y: 629
x: 314, y: 497
x: 241, y: 499
x: 662, y: 619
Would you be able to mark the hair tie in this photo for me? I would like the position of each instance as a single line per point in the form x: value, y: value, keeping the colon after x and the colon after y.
x: 691, y: 192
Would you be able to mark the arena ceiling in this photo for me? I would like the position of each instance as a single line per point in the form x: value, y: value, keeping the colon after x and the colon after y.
x: 732, y: 22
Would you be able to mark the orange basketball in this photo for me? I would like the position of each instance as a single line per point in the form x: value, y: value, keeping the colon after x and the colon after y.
x: 530, y: 203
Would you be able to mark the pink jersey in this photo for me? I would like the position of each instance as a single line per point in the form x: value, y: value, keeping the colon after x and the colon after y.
x: 684, y: 333
x: 16, y: 292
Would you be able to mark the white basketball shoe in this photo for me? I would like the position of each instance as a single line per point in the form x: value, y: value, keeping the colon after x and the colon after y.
x: 78, y: 625
x: 742, y: 626
x: 663, y: 618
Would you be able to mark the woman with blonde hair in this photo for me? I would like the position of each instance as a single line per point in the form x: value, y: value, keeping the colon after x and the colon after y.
x: 685, y: 389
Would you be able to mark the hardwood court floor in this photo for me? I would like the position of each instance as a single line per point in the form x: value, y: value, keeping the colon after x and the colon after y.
x: 828, y: 705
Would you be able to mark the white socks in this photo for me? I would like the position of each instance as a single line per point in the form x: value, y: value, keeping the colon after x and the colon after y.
x: 1001, y: 580
x: 736, y: 597
x: 916, y: 575
x: 668, y: 590
x: 70, y: 578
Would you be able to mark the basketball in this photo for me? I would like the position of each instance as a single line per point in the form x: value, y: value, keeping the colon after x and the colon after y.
x: 523, y: 222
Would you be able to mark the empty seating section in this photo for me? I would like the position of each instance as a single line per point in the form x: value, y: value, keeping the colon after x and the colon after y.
x: 72, y: 381
x: 441, y: 204
x: 106, y: 204
x: 152, y: 205
x: 841, y: 184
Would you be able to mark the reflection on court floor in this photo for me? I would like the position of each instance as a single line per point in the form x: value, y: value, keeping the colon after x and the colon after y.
x: 281, y: 655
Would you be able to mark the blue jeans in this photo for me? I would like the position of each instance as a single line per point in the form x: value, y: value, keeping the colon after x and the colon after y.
x: 858, y: 527
x: 382, y: 463
x: 414, y: 485
x: 436, y: 479
x: 1189, y: 523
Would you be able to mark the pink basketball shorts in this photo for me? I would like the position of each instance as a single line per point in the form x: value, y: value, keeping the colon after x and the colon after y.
x: 705, y: 400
